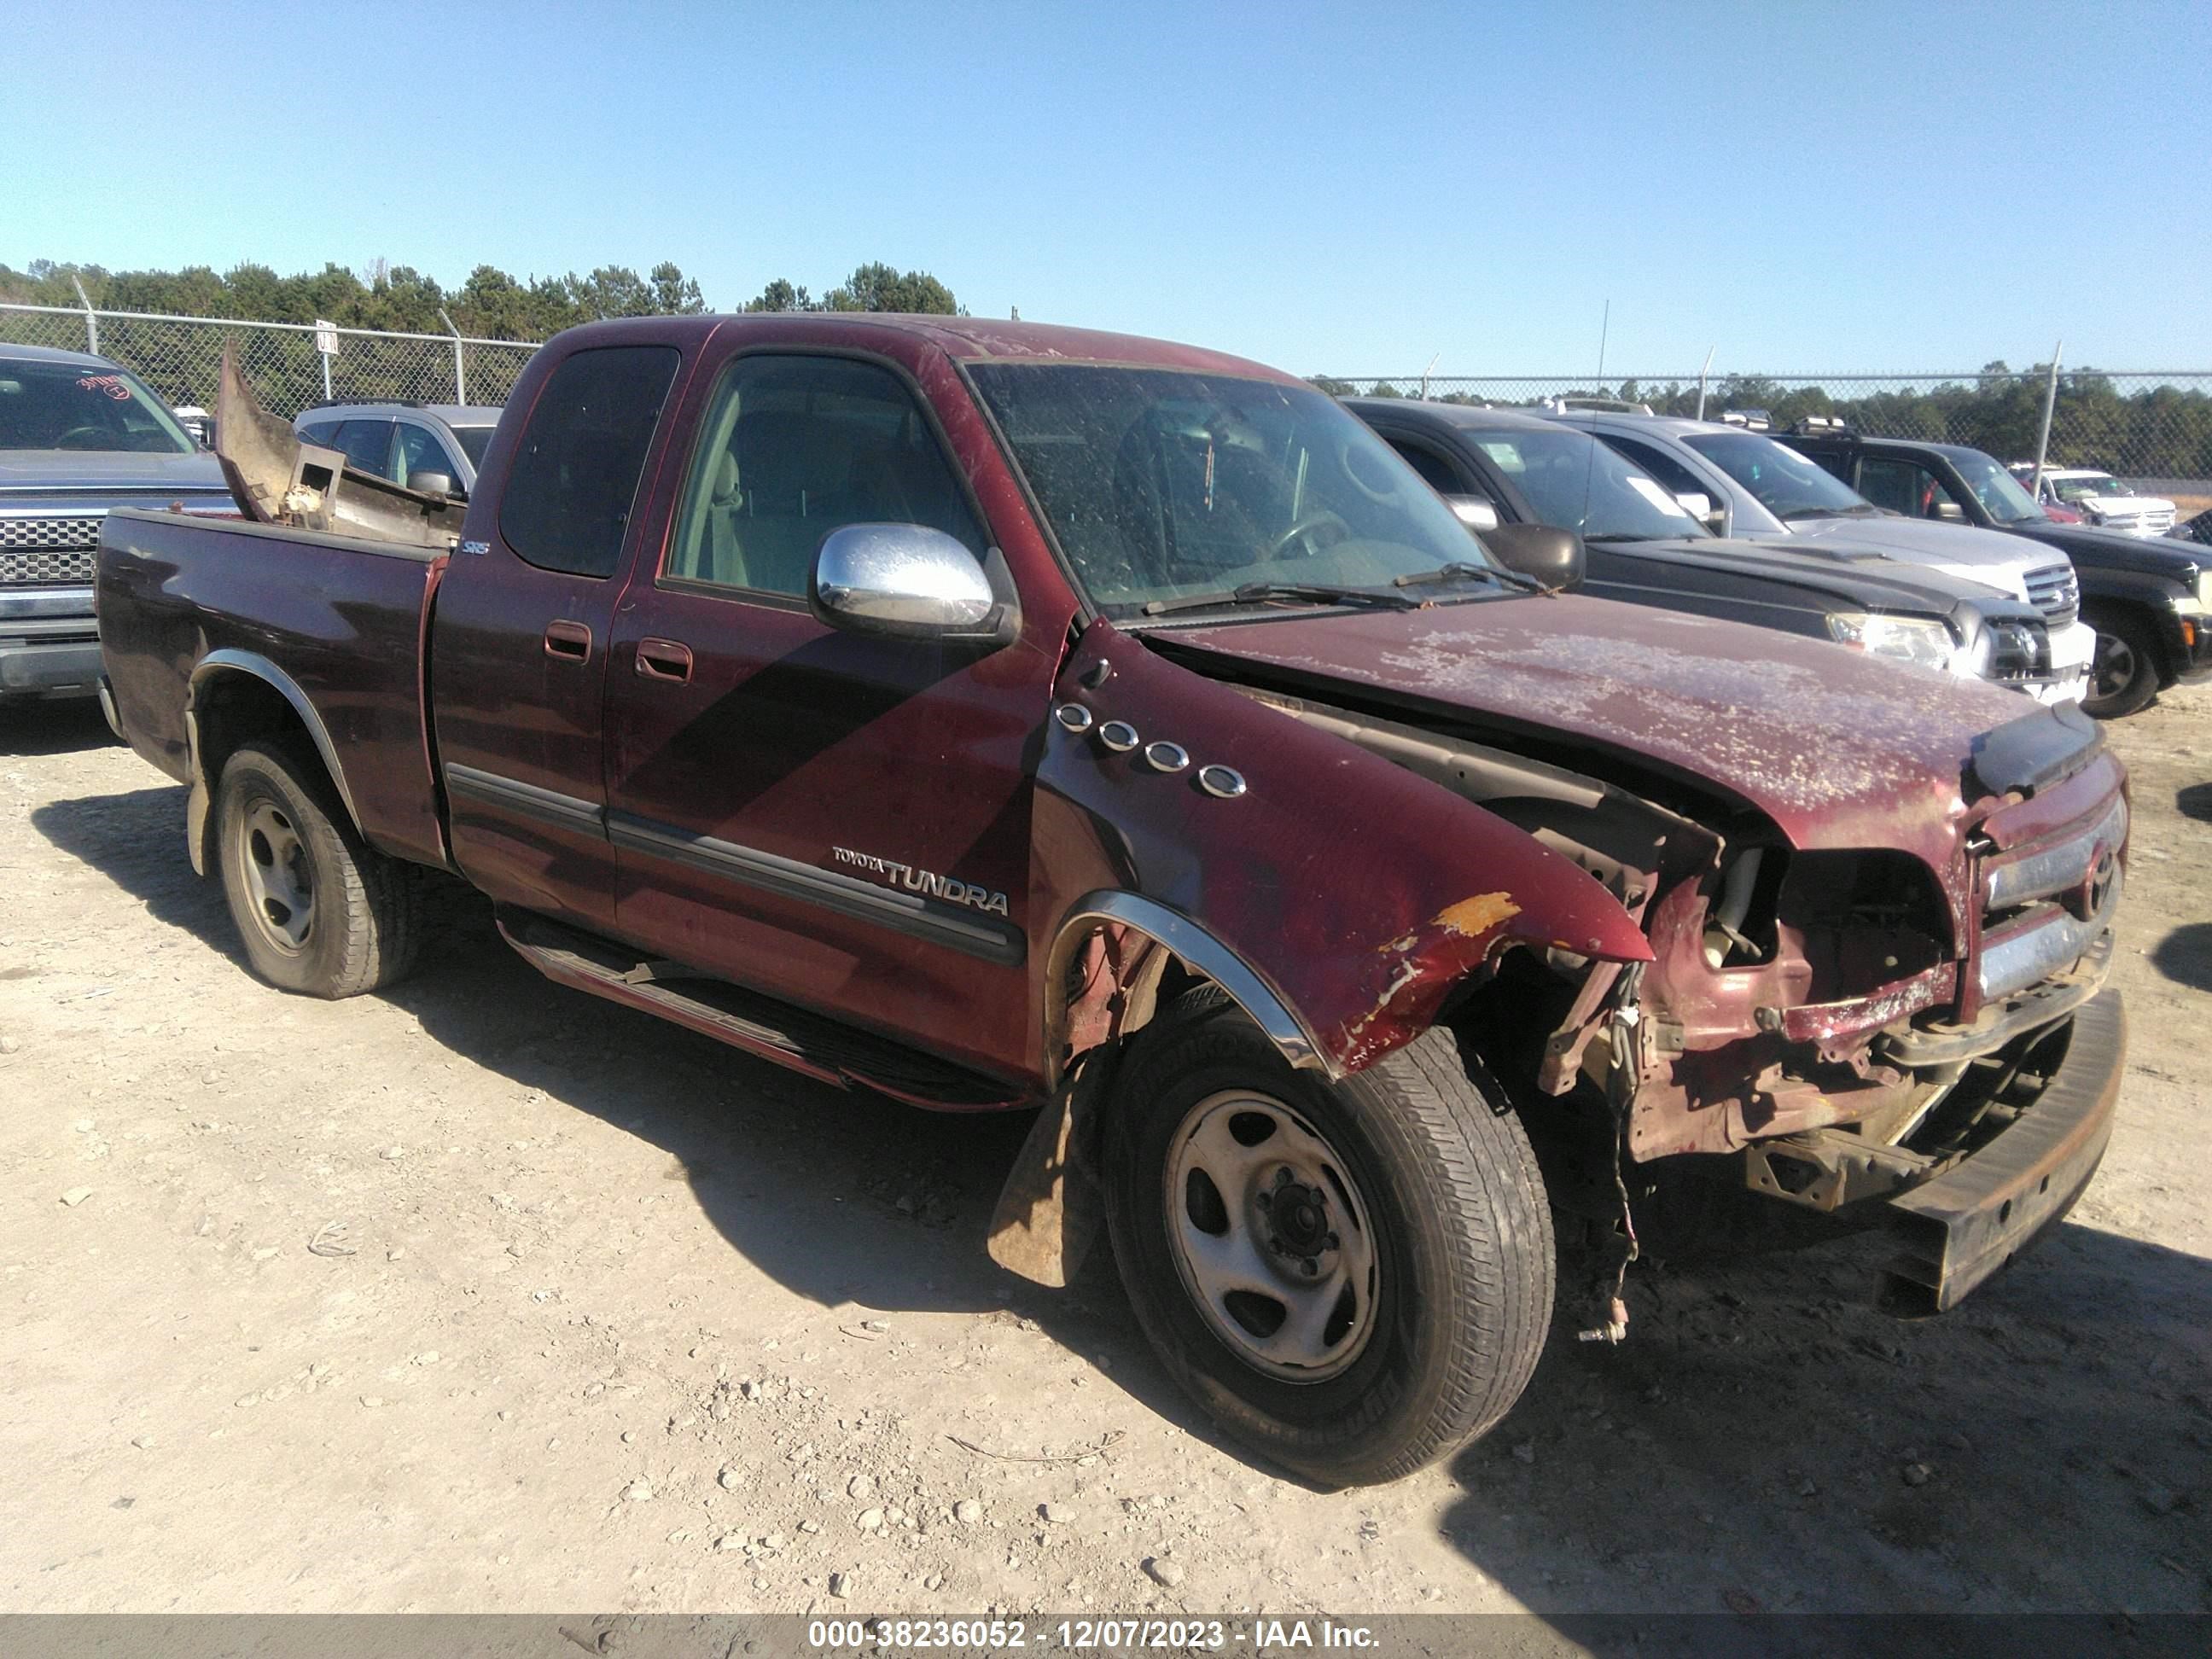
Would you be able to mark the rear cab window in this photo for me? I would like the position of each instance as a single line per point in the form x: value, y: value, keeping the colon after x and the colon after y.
x: 567, y: 502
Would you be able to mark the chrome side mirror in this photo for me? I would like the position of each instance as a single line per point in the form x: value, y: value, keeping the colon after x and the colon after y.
x: 905, y: 582
x: 1697, y: 504
x: 1950, y: 513
x: 1473, y: 511
x: 435, y: 484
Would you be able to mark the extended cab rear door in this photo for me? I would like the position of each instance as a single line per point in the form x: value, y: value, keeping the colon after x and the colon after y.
x: 841, y: 821
x: 521, y: 621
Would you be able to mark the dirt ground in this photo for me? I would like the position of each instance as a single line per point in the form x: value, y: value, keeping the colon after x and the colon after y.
x: 484, y: 1295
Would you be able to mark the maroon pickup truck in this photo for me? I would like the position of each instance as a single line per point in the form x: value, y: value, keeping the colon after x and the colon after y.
x: 1004, y: 717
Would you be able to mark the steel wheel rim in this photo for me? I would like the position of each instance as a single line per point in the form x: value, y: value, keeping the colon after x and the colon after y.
x: 1261, y: 1211
x: 2115, y: 667
x: 274, y: 874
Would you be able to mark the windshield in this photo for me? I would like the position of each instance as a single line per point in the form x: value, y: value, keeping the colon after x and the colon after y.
x: 1788, y: 485
x: 474, y: 439
x: 83, y: 406
x: 1996, y: 489
x: 2086, y: 486
x: 1575, y: 482
x: 1161, y: 484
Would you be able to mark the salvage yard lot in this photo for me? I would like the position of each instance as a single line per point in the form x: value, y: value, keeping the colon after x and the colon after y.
x: 484, y: 1295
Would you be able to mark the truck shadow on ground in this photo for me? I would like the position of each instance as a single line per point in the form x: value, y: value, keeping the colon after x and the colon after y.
x: 2184, y: 956
x: 1752, y: 1445
x: 59, y: 727
x: 1767, y: 1440
x: 839, y: 1196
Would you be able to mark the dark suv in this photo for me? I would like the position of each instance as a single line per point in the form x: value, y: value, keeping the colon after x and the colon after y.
x: 2146, y: 599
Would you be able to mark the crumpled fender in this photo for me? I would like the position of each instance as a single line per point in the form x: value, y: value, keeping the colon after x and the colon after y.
x: 1357, y: 891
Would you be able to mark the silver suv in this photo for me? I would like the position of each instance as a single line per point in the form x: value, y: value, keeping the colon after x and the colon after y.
x: 405, y: 442
x: 1744, y: 484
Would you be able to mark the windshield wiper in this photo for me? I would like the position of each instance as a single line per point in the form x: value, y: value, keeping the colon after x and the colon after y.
x: 1858, y: 511
x: 1251, y: 593
x: 1462, y: 569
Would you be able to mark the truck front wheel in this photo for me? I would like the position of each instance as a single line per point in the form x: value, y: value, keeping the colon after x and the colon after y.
x: 1353, y: 1278
x: 320, y: 910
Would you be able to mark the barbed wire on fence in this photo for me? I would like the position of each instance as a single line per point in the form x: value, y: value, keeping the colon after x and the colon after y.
x: 2142, y: 424
x: 181, y: 358
x: 2146, y: 425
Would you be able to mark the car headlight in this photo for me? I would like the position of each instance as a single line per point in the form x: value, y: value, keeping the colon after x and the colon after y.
x: 1906, y: 639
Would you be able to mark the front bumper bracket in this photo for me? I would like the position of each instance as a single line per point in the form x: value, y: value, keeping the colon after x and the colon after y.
x: 1954, y: 1231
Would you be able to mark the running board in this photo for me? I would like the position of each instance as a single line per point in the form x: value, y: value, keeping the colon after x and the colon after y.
x: 820, y: 1048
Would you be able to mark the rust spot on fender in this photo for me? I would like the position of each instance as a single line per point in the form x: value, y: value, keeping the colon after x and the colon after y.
x: 1478, y: 914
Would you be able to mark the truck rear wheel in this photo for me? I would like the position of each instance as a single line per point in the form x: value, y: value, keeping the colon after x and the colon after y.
x: 320, y: 910
x: 1353, y: 1278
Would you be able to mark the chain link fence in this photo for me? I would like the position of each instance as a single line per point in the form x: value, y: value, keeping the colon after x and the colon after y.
x: 2151, y: 428
x: 181, y: 358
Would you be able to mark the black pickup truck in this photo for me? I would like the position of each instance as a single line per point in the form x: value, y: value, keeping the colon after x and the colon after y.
x: 2147, y: 598
x: 1500, y: 469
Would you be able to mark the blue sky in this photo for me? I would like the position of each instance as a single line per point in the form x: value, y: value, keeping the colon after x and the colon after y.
x: 1349, y: 189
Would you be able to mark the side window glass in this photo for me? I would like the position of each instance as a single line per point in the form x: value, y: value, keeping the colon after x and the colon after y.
x: 1436, y: 472
x: 320, y: 432
x: 418, y: 450
x: 569, y: 495
x: 793, y: 448
x: 1900, y: 486
x: 1671, y: 474
x: 367, y: 445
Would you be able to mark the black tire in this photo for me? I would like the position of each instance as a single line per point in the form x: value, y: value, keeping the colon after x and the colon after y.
x: 2123, y: 676
x: 359, y: 927
x: 1461, y: 1247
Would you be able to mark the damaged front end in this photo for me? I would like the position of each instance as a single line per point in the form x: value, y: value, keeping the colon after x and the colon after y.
x: 1850, y: 1033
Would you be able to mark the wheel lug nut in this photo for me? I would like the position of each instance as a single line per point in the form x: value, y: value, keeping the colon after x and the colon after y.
x: 1282, y: 1178
x: 1330, y: 1242
x: 1265, y: 1199
x: 1313, y: 1268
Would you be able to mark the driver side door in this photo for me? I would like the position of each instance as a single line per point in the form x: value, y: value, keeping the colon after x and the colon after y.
x: 837, y: 820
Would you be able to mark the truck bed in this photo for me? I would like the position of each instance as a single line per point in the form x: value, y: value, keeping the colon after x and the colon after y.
x: 339, y: 620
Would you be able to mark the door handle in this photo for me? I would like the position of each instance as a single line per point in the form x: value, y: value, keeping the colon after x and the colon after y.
x: 664, y: 660
x: 571, y: 641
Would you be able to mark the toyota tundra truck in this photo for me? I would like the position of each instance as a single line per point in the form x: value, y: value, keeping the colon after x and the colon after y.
x: 1005, y: 717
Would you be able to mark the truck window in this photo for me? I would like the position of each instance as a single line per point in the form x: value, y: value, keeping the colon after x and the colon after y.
x: 792, y: 448
x: 567, y: 498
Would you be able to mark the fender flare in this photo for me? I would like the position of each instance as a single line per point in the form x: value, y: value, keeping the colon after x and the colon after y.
x: 219, y: 665
x: 1179, y: 934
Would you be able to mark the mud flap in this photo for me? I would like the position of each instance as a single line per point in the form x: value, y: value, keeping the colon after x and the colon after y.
x: 1049, y: 1210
